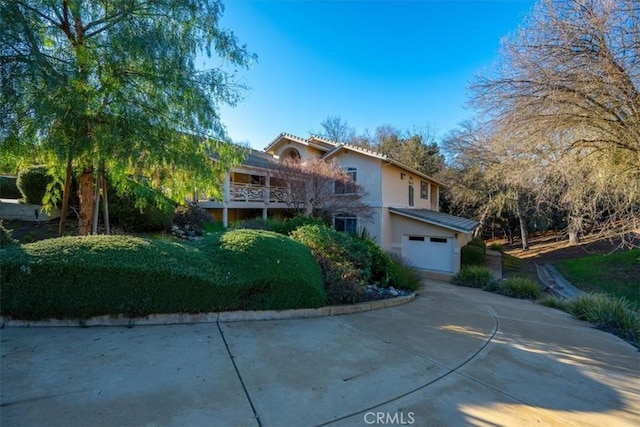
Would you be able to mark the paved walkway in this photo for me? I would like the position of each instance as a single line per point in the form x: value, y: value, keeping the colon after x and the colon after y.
x: 452, y: 357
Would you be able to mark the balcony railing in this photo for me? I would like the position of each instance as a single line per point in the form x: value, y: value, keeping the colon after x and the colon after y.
x: 239, y: 192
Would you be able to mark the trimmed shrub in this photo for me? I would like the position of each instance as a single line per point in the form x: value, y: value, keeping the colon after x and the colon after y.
x: 272, y: 271
x: 136, y: 207
x: 403, y: 275
x: 5, y: 236
x: 338, y: 255
x: 474, y: 276
x: 518, y: 287
x: 9, y: 187
x: 80, y: 277
x: 472, y: 255
x: 33, y: 183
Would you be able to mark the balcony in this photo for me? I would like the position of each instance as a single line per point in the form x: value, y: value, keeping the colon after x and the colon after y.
x: 241, y: 192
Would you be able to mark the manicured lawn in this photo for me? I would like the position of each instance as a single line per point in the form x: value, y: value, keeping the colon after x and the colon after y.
x: 617, y: 273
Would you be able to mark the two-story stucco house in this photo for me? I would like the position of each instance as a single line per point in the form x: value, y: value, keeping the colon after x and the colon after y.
x: 404, y: 202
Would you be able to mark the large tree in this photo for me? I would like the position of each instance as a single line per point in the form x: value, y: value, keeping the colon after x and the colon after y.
x: 113, y: 85
x: 565, y: 104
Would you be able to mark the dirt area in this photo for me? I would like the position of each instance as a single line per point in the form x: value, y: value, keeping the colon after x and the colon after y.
x: 548, y: 248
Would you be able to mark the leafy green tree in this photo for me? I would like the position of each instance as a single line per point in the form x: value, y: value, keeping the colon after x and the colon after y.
x: 112, y: 86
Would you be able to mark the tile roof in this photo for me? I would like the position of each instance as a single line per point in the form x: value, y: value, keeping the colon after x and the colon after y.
x: 440, y: 219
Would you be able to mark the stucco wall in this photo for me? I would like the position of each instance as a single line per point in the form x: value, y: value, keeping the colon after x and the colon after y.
x: 305, y: 151
x: 395, y: 189
x: 368, y: 174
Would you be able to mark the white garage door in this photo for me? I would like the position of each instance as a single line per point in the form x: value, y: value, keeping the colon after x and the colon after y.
x: 433, y: 253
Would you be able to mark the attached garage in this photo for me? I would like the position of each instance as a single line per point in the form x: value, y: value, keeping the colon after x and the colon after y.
x: 430, y: 240
x: 437, y: 253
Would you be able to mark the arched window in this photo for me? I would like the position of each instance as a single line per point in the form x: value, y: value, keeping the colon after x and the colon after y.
x: 290, y: 154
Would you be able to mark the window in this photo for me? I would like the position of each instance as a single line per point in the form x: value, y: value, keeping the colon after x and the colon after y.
x: 348, y: 187
x: 438, y: 240
x: 410, y: 191
x: 346, y: 223
x: 416, y: 238
x: 424, y: 190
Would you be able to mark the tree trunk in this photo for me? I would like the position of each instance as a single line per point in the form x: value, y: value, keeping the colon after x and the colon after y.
x: 86, y: 194
x: 524, y: 233
x: 96, y: 205
x: 65, y: 197
x: 105, y: 204
x: 574, y: 230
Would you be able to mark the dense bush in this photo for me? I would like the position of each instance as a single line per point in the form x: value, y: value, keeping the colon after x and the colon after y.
x: 478, y: 241
x: 9, y: 187
x: 33, y: 183
x: 403, y: 275
x: 518, y: 287
x: 287, y: 226
x: 5, y: 236
x: 191, y: 216
x: 474, y: 276
x: 80, y: 277
x: 472, y: 255
x: 272, y: 271
x: 382, y: 266
x: 136, y: 207
x: 344, y: 261
x: 608, y: 313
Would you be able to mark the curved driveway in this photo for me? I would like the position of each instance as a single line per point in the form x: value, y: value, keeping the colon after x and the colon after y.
x: 452, y: 357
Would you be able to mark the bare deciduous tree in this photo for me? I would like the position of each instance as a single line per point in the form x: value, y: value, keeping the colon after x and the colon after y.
x: 565, y: 106
x: 335, y: 128
x: 317, y: 187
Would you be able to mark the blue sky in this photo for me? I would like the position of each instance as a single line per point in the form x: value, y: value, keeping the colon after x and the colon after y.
x: 403, y: 63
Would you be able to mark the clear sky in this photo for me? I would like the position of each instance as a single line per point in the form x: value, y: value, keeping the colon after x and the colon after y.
x: 403, y: 63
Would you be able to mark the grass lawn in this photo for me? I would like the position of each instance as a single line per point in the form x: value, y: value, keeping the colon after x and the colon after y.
x: 617, y: 273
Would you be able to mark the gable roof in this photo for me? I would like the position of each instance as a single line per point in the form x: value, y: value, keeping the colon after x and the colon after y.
x: 456, y: 223
x: 287, y: 136
x: 331, y: 148
x: 378, y: 155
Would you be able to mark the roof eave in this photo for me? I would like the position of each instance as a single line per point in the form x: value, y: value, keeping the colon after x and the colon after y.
x: 431, y: 222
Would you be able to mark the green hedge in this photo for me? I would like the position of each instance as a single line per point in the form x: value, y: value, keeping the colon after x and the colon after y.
x: 33, y: 183
x: 9, y: 187
x: 472, y: 255
x: 80, y: 277
x: 272, y: 270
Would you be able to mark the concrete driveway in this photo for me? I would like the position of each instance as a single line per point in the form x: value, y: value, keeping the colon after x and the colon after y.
x: 452, y: 357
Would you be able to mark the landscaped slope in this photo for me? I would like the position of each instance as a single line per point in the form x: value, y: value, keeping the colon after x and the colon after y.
x: 80, y: 277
